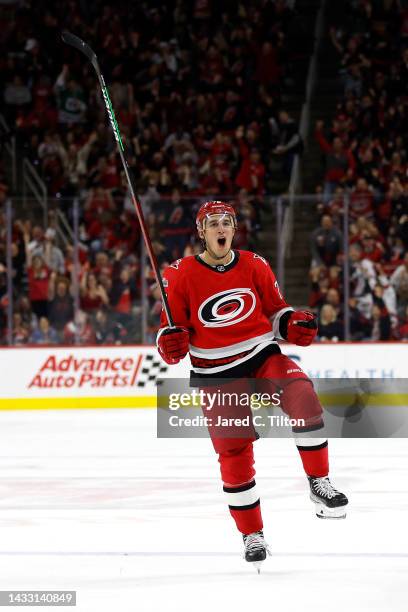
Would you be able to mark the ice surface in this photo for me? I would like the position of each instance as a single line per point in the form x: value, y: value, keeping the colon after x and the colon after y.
x: 92, y: 501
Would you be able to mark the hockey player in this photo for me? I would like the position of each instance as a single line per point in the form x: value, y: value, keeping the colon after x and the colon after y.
x: 229, y: 311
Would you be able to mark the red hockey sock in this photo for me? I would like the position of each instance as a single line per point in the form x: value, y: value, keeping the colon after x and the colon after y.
x: 237, y: 472
x: 315, y: 456
x: 245, y: 507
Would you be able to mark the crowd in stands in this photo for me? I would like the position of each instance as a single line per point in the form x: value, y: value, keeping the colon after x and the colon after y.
x: 196, y: 87
x: 365, y: 160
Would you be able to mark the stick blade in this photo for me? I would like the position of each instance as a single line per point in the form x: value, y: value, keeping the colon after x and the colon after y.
x: 78, y: 43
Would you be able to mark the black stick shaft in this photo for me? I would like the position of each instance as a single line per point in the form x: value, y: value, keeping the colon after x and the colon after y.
x: 79, y: 44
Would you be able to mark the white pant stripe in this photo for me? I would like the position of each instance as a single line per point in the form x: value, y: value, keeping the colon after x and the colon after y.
x: 243, y: 498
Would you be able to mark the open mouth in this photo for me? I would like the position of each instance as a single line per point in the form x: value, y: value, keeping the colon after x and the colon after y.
x: 222, y: 241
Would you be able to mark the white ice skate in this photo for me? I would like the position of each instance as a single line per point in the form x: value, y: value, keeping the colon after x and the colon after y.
x: 330, y: 503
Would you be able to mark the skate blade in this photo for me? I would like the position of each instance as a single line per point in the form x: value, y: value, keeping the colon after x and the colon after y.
x: 323, y: 512
x: 258, y: 564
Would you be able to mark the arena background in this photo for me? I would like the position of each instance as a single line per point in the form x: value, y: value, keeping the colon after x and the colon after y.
x: 295, y: 111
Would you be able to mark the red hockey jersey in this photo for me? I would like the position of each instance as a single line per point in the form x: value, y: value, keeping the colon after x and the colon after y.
x: 231, y: 311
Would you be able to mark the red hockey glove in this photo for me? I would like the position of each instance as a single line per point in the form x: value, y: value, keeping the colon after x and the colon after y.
x: 173, y: 343
x: 302, y: 328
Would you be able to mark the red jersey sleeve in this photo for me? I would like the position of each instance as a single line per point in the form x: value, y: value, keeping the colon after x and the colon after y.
x: 173, y: 280
x: 273, y: 303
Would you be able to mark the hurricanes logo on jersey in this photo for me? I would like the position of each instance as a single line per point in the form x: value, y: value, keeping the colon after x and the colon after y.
x: 227, y: 307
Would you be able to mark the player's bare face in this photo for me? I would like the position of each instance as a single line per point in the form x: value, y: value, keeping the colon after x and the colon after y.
x: 218, y: 234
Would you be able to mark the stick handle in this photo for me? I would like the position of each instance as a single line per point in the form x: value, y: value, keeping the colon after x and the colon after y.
x: 77, y: 43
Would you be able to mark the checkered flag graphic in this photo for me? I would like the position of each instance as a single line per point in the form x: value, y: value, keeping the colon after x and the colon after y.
x: 151, y: 369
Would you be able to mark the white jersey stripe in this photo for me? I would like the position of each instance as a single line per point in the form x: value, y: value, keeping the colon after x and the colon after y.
x: 276, y: 320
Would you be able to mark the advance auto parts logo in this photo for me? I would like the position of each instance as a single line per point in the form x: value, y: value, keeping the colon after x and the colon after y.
x: 227, y: 307
x: 102, y: 372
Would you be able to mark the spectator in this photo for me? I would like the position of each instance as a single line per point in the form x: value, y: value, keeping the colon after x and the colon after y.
x: 49, y: 147
x: 44, y: 334
x: 359, y: 325
x: 399, y: 280
x: 71, y: 98
x: 124, y: 289
x: 327, y: 242
x: 403, y: 327
x: 329, y: 327
x: 108, y: 331
x: 21, y: 332
x: 363, y: 278
x: 380, y: 324
x: 23, y: 306
x: 37, y: 238
x: 18, y: 264
x: 394, y: 253
x: 335, y: 207
x: 123, y: 293
x: 384, y: 294
x: 176, y: 232
x: 372, y: 248
x: 103, y: 265
x: 98, y: 202
x: 267, y: 69
x: 339, y: 162
x: 361, y: 201
x: 51, y: 254
x: 187, y: 172
x: 61, y: 304
x: 16, y: 96
x: 319, y: 288
x: 38, y: 279
x: 335, y: 278
x: 79, y: 329
x: 334, y: 300
x: 287, y: 140
x: 93, y: 294
x: 251, y: 175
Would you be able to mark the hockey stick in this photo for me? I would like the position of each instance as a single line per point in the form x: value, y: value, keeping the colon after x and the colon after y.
x: 74, y: 41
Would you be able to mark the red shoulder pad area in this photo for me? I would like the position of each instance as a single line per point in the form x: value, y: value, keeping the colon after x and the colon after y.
x: 251, y: 257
